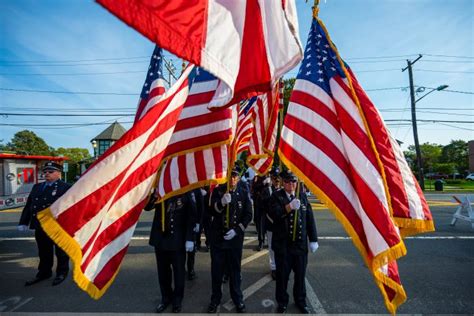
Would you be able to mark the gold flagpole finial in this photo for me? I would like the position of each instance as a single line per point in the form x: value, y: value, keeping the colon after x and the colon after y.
x: 316, y: 9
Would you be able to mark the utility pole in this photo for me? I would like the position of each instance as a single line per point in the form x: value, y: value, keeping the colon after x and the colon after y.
x: 421, y: 178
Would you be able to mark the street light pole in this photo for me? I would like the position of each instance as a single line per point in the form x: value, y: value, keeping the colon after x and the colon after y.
x: 421, y: 179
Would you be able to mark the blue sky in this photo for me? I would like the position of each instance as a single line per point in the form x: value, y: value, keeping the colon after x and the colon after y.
x: 77, y: 46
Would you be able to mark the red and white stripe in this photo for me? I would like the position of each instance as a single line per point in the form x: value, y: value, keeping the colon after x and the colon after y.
x: 198, y: 149
x: 157, y: 89
x: 326, y: 140
x: 244, y: 129
x: 195, y: 169
x: 198, y: 126
x: 249, y: 45
x: 263, y: 142
x: 410, y: 209
x: 95, y: 219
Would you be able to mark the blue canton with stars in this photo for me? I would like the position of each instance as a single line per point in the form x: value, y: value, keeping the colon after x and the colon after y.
x: 320, y: 62
x: 155, y: 71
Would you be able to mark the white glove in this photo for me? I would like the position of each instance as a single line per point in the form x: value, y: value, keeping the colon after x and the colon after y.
x: 196, y: 228
x: 22, y: 228
x: 226, y: 198
x: 189, y: 246
x: 313, y: 246
x: 203, y: 192
x: 295, y: 204
x: 267, y: 181
x: 230, y: 234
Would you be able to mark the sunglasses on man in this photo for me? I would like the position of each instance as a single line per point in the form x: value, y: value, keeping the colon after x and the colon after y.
x: 49, y: 171
x: 290, y: 181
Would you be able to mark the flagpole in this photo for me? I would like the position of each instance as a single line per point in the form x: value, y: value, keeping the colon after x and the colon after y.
x: 280, y: 114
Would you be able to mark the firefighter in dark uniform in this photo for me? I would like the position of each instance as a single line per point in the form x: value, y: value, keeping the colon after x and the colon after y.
x: 42, y: 196
x: 231, y: 213
x: 265, y: 199
x: 293, y: 226
x: 172, y: 238
x: 191, y: 256
x: 260, y: 184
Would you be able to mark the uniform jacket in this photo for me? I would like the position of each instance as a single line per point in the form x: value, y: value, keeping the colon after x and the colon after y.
x: 41, y: 197
x: 283, y: 224
x: 180, y: 219
x: 240, y: 215
x: 265, y: 200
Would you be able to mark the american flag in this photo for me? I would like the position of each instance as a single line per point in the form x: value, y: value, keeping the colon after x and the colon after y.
x: 329, y: 140
x: 95, y: 220
x: 410, y: 209
x: 244, y: 127
x: 248, y: 45
x: 154, y: 85
x: 265, y: 127
x: 198, y: 152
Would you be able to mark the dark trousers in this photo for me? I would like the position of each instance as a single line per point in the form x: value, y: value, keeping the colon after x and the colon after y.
x: 190, y: 260
x: 285, y: 263
x: 171, y: 266
x: 259, y: 224
x: 46, y: 250
x: 226, y: 260
x: 206, y: 226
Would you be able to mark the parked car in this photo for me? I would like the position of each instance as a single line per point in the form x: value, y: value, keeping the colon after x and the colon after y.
x: 470, y: 177
x: 436, y: 176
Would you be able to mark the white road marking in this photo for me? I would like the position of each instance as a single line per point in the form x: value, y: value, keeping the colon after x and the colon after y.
x: 229, y: 305
x: 313, y: 299
x: 254, y: 256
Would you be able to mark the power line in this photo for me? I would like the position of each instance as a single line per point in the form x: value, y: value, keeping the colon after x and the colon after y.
x: 432, y: 121
x: 377, y: 70
x: 450, y: 56
x: 446, y: 71
x: 384, y: 89
x: 69, y: 115
x: 446, y: 61
x: 107, y: 109
x: 453, y: 126
x: 429, y: 108
x: 135, y: 94
x: 59, y: 125
x: 68, y: 92
x: 73, y: 74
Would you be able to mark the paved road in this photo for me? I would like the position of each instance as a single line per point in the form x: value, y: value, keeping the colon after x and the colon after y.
x: 436, y: 273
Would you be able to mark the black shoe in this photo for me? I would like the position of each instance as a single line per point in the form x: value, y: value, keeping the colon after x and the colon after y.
x: 304, y: 309
x: 212, y: 308
x: 281, y: 309
x: 59, y: 279
x: 274, y: 274
x: 225, y: 278
x: 241, y: 308
x: 161, y: 307
x: 177, y: 309
x: 36, y: 280
x: 259, y: 247
x: 191, y: 275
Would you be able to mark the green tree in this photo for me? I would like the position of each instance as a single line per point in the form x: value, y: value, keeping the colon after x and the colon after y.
x: 445, y: 167
x: 456, y: 153
x: 430, y: 155
x: 28, y: 143
x: 288, y: 85
x: 74, y: 155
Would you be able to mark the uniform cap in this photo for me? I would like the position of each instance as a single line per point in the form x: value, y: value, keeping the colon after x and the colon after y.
x: 235, y: 171
x: 287, y: 175
x: 51, y: 165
